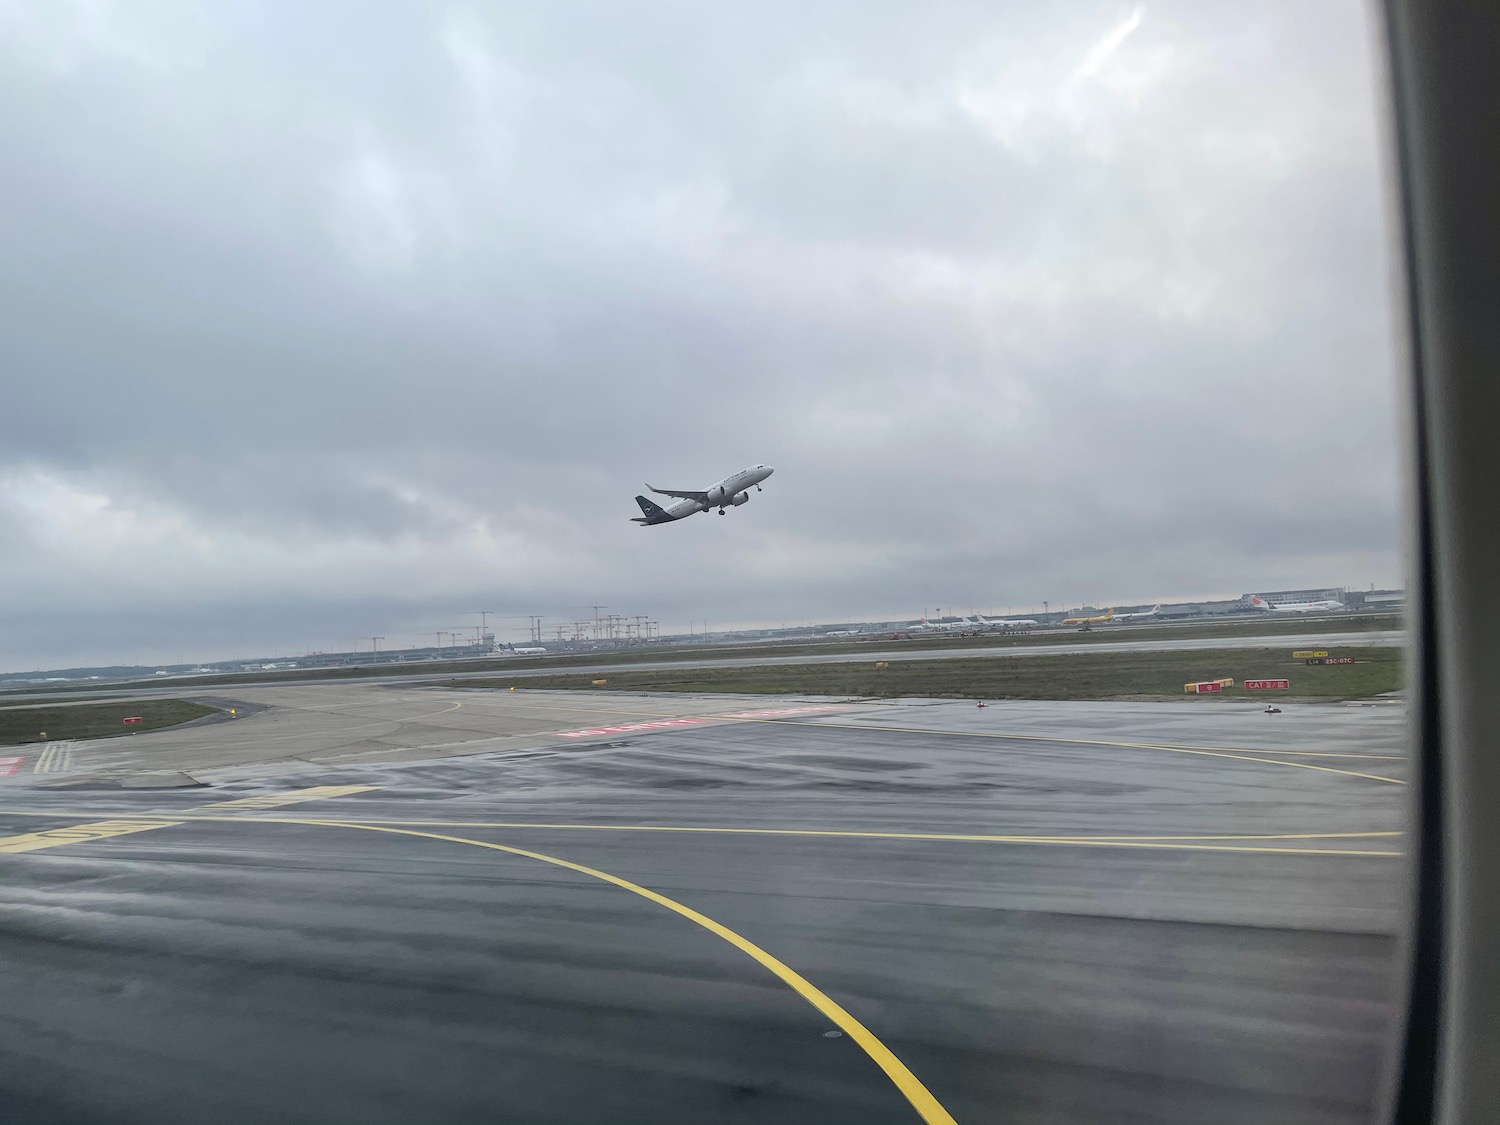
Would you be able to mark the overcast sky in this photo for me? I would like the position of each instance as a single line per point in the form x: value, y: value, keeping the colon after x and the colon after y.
x: 321, y: 321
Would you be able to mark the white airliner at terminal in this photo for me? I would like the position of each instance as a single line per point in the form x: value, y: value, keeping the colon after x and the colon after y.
x: 1266, y: 604
x: 730, y: 492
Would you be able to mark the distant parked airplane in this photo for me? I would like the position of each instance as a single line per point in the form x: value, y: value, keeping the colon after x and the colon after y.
x: 1005, y: 622
x: 1100, y: 619
x: 730, y: 492
x: 1145, y: 613
x: 1258, y: 602
x: 925, y: 626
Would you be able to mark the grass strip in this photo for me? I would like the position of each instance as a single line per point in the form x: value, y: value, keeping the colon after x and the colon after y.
x: 1081, y: 675
x: 94, y: 720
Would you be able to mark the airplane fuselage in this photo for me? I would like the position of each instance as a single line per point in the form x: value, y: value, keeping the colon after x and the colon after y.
x: 1296, y: 607
x: 1107, y: 615
x: 730, y: 492
x: 925, y: 626
x: 1008, y: 622
x: 723, y: 493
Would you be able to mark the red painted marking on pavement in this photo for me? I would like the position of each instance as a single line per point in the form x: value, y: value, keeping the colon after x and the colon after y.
x: 9, y: 766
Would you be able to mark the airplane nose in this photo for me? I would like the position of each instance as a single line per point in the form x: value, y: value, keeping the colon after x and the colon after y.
x: 768, y: 469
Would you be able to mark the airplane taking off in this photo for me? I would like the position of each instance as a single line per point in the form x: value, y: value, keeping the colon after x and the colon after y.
x: 1258, y: 602
x: 730, y: 492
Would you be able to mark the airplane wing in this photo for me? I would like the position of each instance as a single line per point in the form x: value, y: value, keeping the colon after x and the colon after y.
x: 701, y: 497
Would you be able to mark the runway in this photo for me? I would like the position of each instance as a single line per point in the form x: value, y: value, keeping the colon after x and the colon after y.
x: 414, y: 674
x: 1379, y: 639
x: 433, y: 905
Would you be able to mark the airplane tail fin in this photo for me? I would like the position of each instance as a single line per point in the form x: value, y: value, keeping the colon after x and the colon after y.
x: 649, y: 510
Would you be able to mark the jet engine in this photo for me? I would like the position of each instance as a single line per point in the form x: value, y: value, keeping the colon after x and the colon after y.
x: 740, y: 498
x: 717, y: 495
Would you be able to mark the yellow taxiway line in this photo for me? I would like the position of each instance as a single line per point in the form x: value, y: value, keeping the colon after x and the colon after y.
x: 921, y: 1099
x: 1160, y: 843
x: 78, y: 834
x: 1207, y: 751
x: 1280, y: 843
x: 289, y: 797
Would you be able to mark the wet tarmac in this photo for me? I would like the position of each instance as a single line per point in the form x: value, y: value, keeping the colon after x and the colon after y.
x: 560, y: 907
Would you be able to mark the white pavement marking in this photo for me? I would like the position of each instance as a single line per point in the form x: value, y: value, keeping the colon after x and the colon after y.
x: 56, y: 757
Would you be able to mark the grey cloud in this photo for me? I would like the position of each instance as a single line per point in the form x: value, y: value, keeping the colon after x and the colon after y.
x: 395, y: 309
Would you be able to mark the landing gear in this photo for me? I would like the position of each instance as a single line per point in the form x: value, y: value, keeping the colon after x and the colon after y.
x: 758, y: 488
x: 721, y: 511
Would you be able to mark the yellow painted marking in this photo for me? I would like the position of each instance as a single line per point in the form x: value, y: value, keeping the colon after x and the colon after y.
x: 1160, y: 843
x: 1203, y: 751
x: 921, y: 1099
x: 1312, y: 754
x: 78, y: 834
x: 1181, y: 843
x: 962, y: 837
x: 294, y: 797
x: 1279, y: 762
